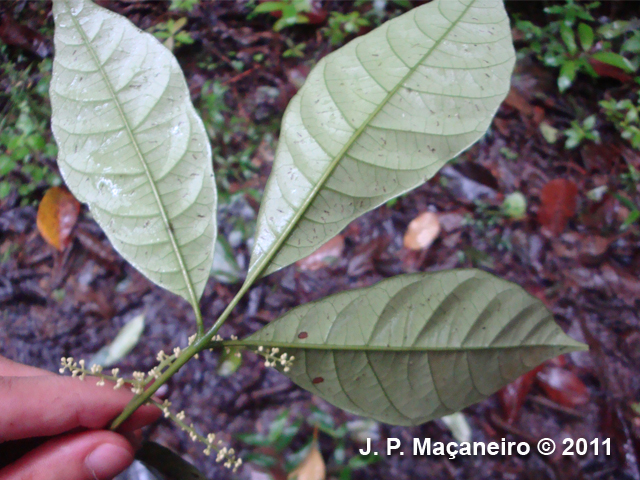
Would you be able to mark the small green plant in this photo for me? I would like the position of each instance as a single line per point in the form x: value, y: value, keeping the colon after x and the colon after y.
x: 295, y: 50
x: 515, y: 206
x: 291, y: 12
x: 235, y: 139
x: 273, y: 451
x: 625, y: 115
x: 630, y: 179
x: 573, y: 42
x: 25, y: 142
x: 508, y: 153
x: 634, y: 211
x: 578, y: 132
x: 485, y: 216
x: 213, y: 107
x: 350, y: 140
x: 184, y: 5
x: 626, y: 34
x: 342, y: 25
x: 172, y: 34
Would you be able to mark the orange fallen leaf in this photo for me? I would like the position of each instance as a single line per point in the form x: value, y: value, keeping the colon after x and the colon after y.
x: 558, y: 200
x: 422, y: 231
x: 323, y: 256
x: 57, y: 215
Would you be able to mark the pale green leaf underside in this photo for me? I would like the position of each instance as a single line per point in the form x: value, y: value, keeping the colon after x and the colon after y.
x: 416, y: 347
x: 132, y: 146
x: 379, y: 117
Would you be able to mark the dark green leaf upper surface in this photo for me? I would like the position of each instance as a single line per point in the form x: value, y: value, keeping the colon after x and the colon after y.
x: 416, y: 347
x: 379, y: 117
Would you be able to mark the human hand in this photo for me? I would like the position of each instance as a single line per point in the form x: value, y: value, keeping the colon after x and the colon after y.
x: 66, y: 419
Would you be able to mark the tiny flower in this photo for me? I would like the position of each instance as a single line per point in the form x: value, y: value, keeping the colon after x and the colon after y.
x: 137, y: 389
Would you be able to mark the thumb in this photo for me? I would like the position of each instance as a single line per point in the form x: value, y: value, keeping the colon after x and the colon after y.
x: 93, y: 455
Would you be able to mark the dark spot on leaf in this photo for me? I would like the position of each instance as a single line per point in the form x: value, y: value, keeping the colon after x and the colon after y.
x: 303, y: 335
x: 317, y: 380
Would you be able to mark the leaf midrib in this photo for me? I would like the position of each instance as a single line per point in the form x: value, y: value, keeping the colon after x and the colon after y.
x: 382, y: 348
x: 154, y: 188
x: 273, y: 251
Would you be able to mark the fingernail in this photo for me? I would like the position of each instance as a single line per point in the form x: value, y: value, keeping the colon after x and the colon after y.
x: 108, y: 460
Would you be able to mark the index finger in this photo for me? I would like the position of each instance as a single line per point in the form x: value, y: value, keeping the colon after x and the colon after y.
x: 50, y: 405
x: 9, y: 368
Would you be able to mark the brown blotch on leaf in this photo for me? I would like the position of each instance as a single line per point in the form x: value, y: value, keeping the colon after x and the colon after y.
x: 303, y: 335
x: 317, y: 380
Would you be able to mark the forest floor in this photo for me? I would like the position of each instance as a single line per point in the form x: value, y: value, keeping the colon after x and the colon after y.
x: 570, y: 249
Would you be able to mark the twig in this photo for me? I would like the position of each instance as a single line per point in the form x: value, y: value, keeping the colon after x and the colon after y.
x: 239, y: 77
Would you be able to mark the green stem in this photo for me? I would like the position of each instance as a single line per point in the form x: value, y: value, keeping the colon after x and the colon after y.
x: 202, y: 343
x: 227, y: 311
x: 141, y: 399
x: 199, y: 322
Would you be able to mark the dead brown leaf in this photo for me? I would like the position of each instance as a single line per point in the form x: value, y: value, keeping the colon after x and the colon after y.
x: 322, y: 257
x: 312, y: 467
x: 563, y: 387
x: 366, y: 255
x: 22, y: 36
x: 558, y: 204
x: 517, y: 101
